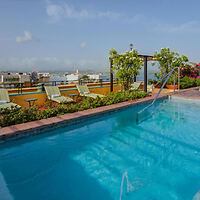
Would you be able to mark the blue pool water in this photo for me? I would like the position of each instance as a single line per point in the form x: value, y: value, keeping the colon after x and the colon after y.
x: 161, y: 157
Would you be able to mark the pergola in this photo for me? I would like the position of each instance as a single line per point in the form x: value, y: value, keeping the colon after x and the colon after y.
x: 145, y: 59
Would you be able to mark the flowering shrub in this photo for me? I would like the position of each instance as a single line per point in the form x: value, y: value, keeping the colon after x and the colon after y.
x: 17, y: 116
x: 189, y: 76
x: 190, y: 71
x: 126, y: 66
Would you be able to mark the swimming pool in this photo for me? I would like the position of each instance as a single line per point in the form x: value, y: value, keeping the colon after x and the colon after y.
x: 161, y: 157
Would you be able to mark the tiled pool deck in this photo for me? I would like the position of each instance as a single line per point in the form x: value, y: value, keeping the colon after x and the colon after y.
x: 37, y: 127
x: 189, y: 94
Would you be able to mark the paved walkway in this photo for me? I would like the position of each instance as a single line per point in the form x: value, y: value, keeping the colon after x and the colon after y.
x: 189, y: 94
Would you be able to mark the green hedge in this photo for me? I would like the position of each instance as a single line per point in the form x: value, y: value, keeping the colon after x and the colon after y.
x: 17, y: 116
x: 187, y: 82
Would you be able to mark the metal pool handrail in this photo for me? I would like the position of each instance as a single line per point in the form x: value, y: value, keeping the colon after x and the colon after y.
x: 155, y: 98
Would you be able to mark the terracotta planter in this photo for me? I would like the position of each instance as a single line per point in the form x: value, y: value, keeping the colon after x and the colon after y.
x: 157, y: 86
x: 171, y: 87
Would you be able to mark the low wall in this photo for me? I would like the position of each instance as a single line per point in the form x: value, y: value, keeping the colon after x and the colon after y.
x: 28, y: 93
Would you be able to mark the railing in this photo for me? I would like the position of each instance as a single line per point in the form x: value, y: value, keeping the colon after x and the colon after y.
x: 20, y: 85
x: 85, y: 81
x: 11, y: 85
x: 167, y: 76
x: 129, y: 187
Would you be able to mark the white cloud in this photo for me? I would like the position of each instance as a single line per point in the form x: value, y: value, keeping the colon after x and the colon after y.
x: 191, y: 26
x: 57, y: 12
x: 83, y: 45
x: 27, y: 37
x: 71, y: 12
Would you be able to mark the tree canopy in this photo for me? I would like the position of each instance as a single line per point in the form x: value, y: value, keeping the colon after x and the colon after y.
x: 168, y: 60
x: 126, y: 65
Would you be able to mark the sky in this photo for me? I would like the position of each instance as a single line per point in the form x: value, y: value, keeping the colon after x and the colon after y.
x: 63, y: 35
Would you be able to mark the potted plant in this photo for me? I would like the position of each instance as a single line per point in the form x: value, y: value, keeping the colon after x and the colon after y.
x: 170, y: 83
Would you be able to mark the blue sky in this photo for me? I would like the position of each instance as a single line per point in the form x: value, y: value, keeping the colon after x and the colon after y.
x: 68, y: 34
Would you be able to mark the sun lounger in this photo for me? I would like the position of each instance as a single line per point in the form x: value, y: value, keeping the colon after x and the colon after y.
x: 135, y: 86
x: 5, y: 100
x: 53, y: 94
x: 84, y: 91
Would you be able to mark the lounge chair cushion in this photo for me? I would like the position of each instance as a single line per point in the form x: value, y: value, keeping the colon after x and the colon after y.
x: 94, y: 96
x: 52, y: 90
x: 4, y: 95
x: 84, y: 91
x: 62, y: 99
x: 55, y: 95
x: 9, y: 105
x: 135, y: 86
x: 2, y: 102
x: 5, y: 100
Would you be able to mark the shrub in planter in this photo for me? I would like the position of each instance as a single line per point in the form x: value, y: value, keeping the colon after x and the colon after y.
x: 197, y: 80
x: 187, y: 82
x: 17, y: 116
x: 171, y: 87
x: 170, y: 83
x: 152, y: 81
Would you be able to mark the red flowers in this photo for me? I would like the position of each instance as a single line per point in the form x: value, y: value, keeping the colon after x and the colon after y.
x: 190, y: 71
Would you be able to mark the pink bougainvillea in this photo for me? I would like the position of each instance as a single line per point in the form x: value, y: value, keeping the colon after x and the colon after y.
x: 190, y: 71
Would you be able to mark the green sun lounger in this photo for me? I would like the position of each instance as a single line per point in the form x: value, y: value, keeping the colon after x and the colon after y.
x: 135, y: 86
x: 5, y: 100
x: 53, y: 94
x: 84, y: 91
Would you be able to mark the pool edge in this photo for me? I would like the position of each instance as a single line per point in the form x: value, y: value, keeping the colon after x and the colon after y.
x: 36, y: 127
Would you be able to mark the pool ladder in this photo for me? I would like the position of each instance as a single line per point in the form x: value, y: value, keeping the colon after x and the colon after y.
x: 166, y: 77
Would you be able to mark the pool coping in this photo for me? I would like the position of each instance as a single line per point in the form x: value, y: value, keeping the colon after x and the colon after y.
x: 39, y: 126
